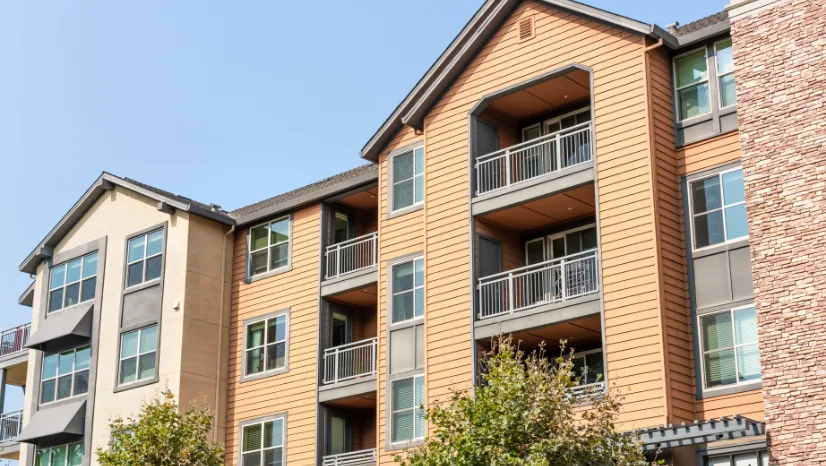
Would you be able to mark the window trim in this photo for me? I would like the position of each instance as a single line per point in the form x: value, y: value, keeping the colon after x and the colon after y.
x: 278, y: 270
x: 264, y: 374
x: 703, y: 456
x: 49, y: 288
x: 137, y: 381
x: 711, y: 391
x: 391, y: 212
x: 718, y: 76
x: 583, y: 354
x: 392, y: 291
x: 262, y: 420
x: 719, y: 174
x: 413, y: 440
x: 57, y: 375
x: 144, y: 281
x: 677, y: 89
x: 82, y: 442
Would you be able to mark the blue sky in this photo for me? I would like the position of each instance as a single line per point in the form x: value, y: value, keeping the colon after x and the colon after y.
x: 225, y: 102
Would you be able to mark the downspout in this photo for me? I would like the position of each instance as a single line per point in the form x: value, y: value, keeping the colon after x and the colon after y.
x: 220, y: 331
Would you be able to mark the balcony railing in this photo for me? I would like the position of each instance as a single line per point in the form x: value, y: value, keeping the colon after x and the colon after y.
x: 350, y: 361
x: 13, y: 339
x: 534, y: 158
x: 10, y: 426
x: 351, y: 255
x: 552, y: 281
x: 580, y: 391
x: 354, y: 458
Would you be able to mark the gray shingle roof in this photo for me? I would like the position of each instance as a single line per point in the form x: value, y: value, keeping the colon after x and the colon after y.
x: 700, y: 24
x: 177, y: 197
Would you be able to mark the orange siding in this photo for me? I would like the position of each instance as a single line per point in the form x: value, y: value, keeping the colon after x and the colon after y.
x: 709, y: 153
x: 749, y: 404
x: 294, y: 392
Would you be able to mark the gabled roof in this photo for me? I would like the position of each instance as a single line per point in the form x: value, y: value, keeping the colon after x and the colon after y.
x: 464, y: 47
x: 702, y: 29
x: 107, y: 182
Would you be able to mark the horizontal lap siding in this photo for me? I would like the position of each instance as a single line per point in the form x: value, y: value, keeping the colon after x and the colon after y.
x: 709, y: 153
x: 294, y: 392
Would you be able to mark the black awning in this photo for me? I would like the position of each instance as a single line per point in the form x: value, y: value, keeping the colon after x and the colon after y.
x: 712, y: 430
x: 62, y: 329
x: 55, y: 425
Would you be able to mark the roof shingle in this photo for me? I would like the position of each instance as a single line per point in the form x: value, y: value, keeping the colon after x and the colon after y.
x: 700, y: 24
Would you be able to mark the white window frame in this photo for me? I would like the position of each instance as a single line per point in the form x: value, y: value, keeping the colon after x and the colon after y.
x: 722, y: 208
x: 720, y: 76
x: 66, y: 285
x: 264, y: 345
x: 528, y: 128
x: 583, y: 354
x: 558, y: 119
x: 548, y: 239
x: 145, y: 258
x: 412, y: 290
x: 269, y: 247
x: 138, y: 355
x: 68, y: 450
x: 703, y: 352
x: 698, y: 83
x: 263, y: 449
x: 413, y: 409
x: 393, y: 182
x: 761, y: 455
x: 57, y: 376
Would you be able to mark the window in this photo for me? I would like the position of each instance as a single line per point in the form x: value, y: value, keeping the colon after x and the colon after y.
x: 263, y: 443
x: 729, y: 344
x: 138, y: 354
x: 408, y: 410
x: 266, y: 345
x: 756, y: 458
x: 588, y: 366
x: 63, y: 455
x: 408, y: 290
x: 408, y: 178
x: 718, y: 205
x: 144, y: 258
x: 725, y: 73
x: 73, y: 282
x: 270, y: 246
x: 65, y: 374
x: 691, y: 74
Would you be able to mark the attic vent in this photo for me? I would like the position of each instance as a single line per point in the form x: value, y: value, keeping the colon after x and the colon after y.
x: 526, y: 29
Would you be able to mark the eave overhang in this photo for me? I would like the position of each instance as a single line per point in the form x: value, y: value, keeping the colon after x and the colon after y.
x: 712, y: 430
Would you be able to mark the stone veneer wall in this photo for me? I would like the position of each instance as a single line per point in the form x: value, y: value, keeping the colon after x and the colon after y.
x: 780, y: 63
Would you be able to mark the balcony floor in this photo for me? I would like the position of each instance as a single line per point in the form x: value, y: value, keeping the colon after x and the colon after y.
x: 539, y: 316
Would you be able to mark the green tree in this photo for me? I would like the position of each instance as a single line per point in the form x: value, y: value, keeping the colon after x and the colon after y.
x: 523, y: 414
x: 162, y: 436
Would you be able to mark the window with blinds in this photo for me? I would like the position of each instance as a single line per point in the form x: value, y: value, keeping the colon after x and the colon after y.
x: 755, y: 458
x: 729, y: 344
x: 408, y: 290
x: 725, y: 73
x: 407, y: 422
x: 263, y: 443
x: 269, y: 246
x: 408, y: 178
x: 691, y: 72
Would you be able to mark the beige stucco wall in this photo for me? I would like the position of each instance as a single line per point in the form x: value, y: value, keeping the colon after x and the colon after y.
x: 190, y: 374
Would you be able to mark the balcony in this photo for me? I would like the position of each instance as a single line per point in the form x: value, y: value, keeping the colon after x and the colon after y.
x: 350, y: 361
x: 351, y: 256
x: 354, y: 458
x: 13, y: 340
x: 10, y: 426
x: 533, y: 159
x: 351, y: 246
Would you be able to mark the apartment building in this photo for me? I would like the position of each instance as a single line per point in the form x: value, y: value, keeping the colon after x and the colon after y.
x: 559, y: 173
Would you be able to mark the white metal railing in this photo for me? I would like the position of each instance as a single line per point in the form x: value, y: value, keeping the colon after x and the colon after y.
x: 534, y: 158
x: 351, y: 255
x: 13, y: 339
x: 10, y: 426
x: 547, y: 282
x: 350, y: 361
x: 587, y: 389
x: 353, y: 458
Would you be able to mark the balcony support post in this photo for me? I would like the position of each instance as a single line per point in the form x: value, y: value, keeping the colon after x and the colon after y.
x: 3, y: 390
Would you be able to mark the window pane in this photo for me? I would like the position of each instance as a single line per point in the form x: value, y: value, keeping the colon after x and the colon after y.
x: 716, y: 330
x: 279, y: 256
x: 725, y: 58
x: 258, y: 237
x: 278, y: 433
x: 134, y: 274
x: 419, y: 155
x: 66, y: 363
x: 153, y: 267
x: 88, y: 289
x: 58, y: 277
x: 73, y: 271
x: 154, y: 244
x: 252, y: 437
x: 737, y: 225
x: 747, y: 459
x: 136, y: 248
x: 705, y: 195
x: 273, y: 457
x: 50, y: 366
x: 403, y: 195
x: 72, y: 294
x: 149, y: 339
x: 419, y: 414
x: 82, y: 358
x: 720, y: 368
x: 90, y: 265
x: 402, y: 277
x: 691, y: 68
x: 255, y: 334
x: 251, y: 459
x: 733, y: 188
x: 42, y: 458
x: 129, y: 370
x: 258, y: 262
x: 419, y: 189
x: 535, y: 252
x: 64, y: 387
x: 275, y: 356
x: 146, y: 366
x: 594, y: 362
x: 81, y: 383
x: 589, y: 239
x: 280, y: 231
x: 708, y: 229
x: 419, y: 301
x: 419, y: 392
x: 728, y: 91
x: 419, y: 265
x: 56, y: 300
x: 403, y: 306
x: 47, y: 391
x: 403, y: 167
x: 76, y: 454
x: 719, y: 461
x: 745, y: 326
x: 59, y: 455
x: 402, y: 426
x: 255, y: 361
x: 694, y: 101
x: 748, y: 362
x: 280, y: 328
x: 129, y: 345
x: 402, y: 394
